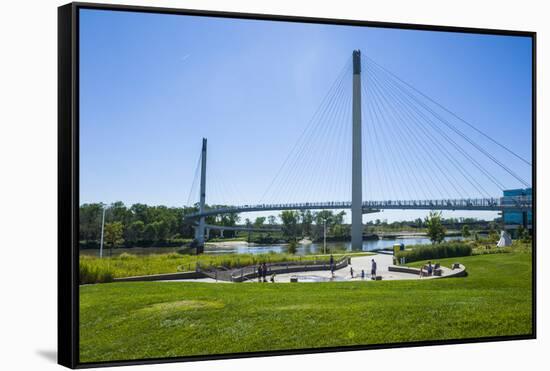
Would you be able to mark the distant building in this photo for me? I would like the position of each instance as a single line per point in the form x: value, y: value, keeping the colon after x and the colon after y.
x: 512, y: 220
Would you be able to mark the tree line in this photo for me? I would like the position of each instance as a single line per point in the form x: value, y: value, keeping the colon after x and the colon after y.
x: 141, y: 225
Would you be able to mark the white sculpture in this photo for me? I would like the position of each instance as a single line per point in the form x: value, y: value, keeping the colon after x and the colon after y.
x: 505, y: 239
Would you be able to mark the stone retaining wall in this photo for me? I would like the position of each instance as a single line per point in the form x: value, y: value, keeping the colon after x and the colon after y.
x: 163, y: 277
x: 458, y: 272
x: 253, y: 273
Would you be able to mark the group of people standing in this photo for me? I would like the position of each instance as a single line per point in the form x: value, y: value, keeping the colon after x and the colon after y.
x: 262, y: 270
x: 372, y: 271
x: 427, y: 270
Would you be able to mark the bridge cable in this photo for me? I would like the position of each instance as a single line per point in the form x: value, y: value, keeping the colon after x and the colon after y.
x: 195, y: 180
x: 396, y: 165
x: 290, y: 178
x: 464, y: 136
x: 455, y: 145
x: 414, y: 136
x: 450, y: 112
x: 437, y: 144
x: 310, y: 123
x: 397, y: 134
x: 315, y: 161
x: 407, y: 111
x: 306, y: 148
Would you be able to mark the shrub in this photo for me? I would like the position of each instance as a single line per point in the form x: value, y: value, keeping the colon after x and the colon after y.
x: 292, y: 247
x: 444, y: 250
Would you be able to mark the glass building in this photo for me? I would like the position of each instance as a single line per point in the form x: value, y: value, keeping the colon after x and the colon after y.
x: 517, y: 218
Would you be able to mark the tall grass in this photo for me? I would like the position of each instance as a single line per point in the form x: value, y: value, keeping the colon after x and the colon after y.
x: 96, y: 270
x: 93, y: 273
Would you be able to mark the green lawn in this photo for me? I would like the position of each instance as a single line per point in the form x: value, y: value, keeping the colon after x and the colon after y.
x: 160, y: 319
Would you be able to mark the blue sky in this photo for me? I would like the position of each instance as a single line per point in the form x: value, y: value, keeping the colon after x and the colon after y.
x: 152, y: 85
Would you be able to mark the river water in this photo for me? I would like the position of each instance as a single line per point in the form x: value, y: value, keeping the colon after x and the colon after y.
x: 317, y: 248
x: 244, y: 248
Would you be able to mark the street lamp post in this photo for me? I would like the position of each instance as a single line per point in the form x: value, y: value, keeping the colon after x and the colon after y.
x: 325, y: 236
x: 102, y: 230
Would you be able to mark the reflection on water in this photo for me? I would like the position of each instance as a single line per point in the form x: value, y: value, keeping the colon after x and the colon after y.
x: 317, y: 248
x: 314, y: 248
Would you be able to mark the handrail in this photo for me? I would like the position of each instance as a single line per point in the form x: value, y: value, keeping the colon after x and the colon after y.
x: 501, y: 203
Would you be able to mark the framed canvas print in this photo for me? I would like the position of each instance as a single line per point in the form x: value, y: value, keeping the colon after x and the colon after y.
x: 237, y: 185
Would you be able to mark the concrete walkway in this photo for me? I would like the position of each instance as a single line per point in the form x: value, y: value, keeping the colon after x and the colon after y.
x: 358, y: 263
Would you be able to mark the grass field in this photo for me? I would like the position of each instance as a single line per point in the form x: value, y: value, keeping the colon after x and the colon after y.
x: 159, y: 319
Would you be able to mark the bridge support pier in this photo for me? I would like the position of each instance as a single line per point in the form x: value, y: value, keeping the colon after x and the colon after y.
x: 356, y: 176
x: 200, y: 230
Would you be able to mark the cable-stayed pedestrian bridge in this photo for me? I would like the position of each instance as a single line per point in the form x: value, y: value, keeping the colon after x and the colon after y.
x: 381, y: 143
x: 519, y: 204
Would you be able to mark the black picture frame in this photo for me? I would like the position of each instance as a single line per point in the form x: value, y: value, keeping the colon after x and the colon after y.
x: 68, y: 179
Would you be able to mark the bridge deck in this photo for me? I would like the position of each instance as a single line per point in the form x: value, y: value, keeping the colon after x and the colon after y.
x: 478, y: 204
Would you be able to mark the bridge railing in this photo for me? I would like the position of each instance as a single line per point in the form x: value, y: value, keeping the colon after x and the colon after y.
x: 522, y: 202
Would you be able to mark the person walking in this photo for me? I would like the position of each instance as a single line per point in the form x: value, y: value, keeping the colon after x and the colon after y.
x: 373, y: 269
x: 351, y: 271
x: 260, y: 273
x: 264, y: 271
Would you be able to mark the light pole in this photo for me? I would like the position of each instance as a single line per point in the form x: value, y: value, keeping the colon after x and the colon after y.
x: 325, y: 236
x: 102, y: 231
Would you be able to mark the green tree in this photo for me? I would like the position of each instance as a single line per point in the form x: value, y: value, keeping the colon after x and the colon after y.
x: 465, y: 231
x: 90, y: 222
x: 272, y: 219
x: 493, y: 234
x: 306, y: 218
x: 134, y: 232
x: 163, y: 230
x: 259, y: 222
x: 150, y: 232
x: 113, y: 235
x: 523, y: 234
x: 339, y: 218
x: 292, y: 247
x: 324, y: 215
x: 248, y: 225
x: 436, y: 230
x: 290, y: 224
